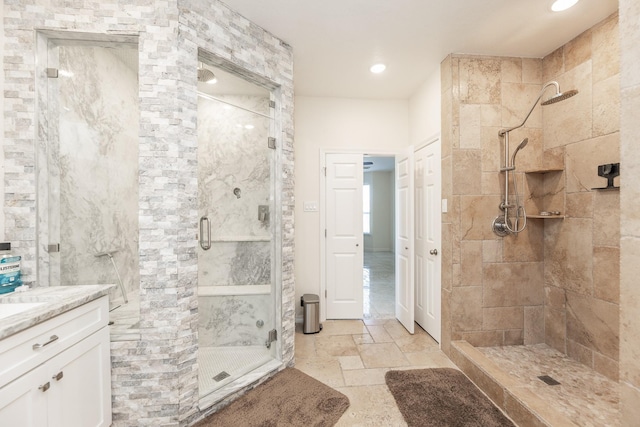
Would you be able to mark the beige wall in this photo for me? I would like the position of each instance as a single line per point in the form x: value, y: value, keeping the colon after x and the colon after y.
x: 582, y: 252
x: 380, y: 126
x: 424, y: 110
x: 630, y: 206
x: 557, y: 282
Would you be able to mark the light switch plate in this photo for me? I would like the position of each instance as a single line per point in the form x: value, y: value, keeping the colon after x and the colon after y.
x: 310, y: 207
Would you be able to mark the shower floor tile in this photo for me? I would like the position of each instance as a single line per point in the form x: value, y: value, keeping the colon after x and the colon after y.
x: 234, y: 361
x: 588, y: 398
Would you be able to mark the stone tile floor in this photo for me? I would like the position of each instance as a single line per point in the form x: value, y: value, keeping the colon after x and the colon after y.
x: 378, y: 279
x: 353, y: 356
x: 586, y: 397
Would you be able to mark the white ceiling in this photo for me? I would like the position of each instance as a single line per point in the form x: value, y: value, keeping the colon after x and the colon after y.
x: 336, y: 41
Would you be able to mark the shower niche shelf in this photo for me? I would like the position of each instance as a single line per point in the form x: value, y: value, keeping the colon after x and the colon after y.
x: 544, y: 171
x: 546, y: 188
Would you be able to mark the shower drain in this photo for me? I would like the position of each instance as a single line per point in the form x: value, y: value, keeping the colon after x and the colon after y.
x: 548, y: 380
x: 222, y: 375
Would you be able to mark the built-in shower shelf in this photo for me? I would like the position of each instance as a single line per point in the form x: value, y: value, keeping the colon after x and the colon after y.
x: 547, y: 170
x: 546, y: 216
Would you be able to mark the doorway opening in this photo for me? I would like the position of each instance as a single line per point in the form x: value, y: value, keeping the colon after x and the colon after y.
x: 378, y: 207
x: 349, y: 248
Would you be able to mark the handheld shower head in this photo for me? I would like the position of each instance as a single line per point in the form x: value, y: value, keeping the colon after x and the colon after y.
x: 520, y: 146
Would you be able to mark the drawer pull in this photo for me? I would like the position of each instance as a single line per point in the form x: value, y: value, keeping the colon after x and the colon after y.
x: 51, y: 339
x: 44, y: 387
x: 58, y: 376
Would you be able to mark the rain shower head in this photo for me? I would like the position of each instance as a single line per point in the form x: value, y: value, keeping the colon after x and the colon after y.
x: 560, y: 96
x: 206, y: 76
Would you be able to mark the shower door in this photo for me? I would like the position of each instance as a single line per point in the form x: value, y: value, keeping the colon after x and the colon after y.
x: 236, y: 294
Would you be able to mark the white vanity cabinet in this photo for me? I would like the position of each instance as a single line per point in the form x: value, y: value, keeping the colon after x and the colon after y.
x: 57, y: 373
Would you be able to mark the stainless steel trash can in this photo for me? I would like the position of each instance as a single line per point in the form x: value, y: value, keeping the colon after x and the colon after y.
x: 310, y: 313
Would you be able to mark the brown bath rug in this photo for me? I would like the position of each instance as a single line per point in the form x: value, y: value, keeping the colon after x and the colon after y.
x: 442, y: 397
x: 290, y: 398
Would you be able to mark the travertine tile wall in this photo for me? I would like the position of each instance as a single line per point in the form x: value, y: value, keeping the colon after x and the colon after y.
x: 154, y: 379
x: 582, y: 252
x: 557, y: 282
x: 492, y: 287
x: 630, y: 206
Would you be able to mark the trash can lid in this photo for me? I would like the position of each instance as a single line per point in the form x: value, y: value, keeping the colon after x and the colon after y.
x: 310, y: 298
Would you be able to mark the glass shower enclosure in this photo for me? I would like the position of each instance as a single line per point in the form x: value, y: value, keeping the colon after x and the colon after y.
x: 237, y: 329
x: 87, y: 164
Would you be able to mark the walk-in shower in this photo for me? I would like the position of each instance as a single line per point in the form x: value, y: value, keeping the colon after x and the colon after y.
x: 502, y: 224
x: 237, y: 323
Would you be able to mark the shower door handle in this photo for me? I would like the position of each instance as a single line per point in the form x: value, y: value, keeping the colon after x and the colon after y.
x: 205, y: 243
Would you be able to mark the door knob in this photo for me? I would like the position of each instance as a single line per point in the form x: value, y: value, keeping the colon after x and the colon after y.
x: 433, y: 252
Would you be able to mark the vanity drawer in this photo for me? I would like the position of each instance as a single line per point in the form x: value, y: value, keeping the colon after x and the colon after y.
x: 27, y: 349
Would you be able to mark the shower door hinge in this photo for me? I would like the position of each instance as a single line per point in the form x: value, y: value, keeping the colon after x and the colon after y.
x: 325, y: 294
x: 325, y: 232
x: 324, y: 171
x: 273, y: 336
x: 272, y: 104
x: 52, y: 73
x: 55, y: 247
x: 271, y: 142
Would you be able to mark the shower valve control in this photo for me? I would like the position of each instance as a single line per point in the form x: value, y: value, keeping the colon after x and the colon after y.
x: 263, y: 213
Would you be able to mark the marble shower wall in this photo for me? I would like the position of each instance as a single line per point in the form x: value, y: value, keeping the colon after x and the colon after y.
x: 233, y: 154
x: 231, y: 320
x: 582, y: 252
x: 492, y: 287
x: 93, y: 168
x: 557, y: 282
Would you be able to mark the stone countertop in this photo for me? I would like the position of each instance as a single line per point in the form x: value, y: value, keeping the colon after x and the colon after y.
x: 56, y: 299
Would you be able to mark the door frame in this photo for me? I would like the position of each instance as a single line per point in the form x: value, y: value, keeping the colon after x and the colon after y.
x: 323, y: 217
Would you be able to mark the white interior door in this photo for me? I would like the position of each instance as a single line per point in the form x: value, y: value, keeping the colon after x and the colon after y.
x: 419, y: 237
x: 404, y: 239
x: 428, y: 238
x: 344, y: 237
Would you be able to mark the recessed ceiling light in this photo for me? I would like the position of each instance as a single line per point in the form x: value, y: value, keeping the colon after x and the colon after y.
x: 377, y: 68
x: 560, y: 5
